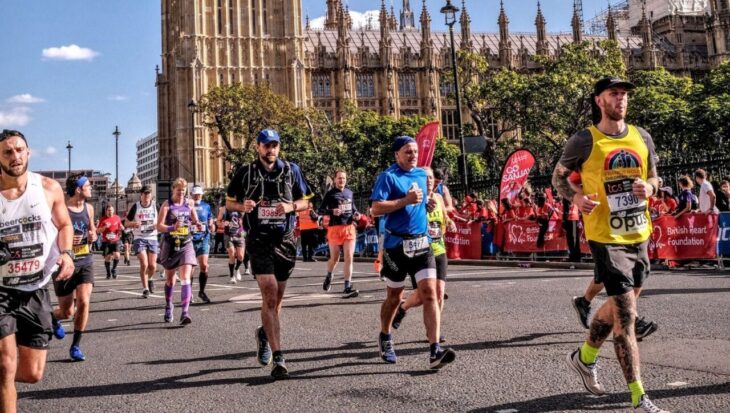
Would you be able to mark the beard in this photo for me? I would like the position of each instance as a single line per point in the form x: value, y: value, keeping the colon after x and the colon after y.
x: 13, y: 170
x: 615, y: 114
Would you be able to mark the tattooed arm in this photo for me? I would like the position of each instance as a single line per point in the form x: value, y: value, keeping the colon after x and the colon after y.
x: 577, y: 150
x: 561, y: 182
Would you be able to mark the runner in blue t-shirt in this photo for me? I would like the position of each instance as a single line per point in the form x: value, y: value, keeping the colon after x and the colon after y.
x: 398, y: 195
x: 201, y: 238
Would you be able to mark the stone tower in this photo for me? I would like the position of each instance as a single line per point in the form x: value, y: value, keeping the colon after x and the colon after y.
x: 718, y: 32
x: 208, y: 43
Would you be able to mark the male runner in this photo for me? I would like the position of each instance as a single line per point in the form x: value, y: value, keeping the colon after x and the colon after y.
x: 35, y: 245
x: 142, y: 218
x: 127, y: 240
x: 235, y: 241
x: 617, y: 166
x: 110, y: 226
x: 270, y: 191
x: 78, y: 287
x: 201, y: 238
x: 338, y: 203
x: 398, y: 194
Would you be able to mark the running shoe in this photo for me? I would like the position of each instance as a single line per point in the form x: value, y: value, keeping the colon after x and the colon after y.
x: 327, y: 284
x: 646, y: 406
x: 151, y: 286
x: 204, y: 297
x: 263, y: 350
x: 246, y: 271
x: 108, y: 276
x: 278, y: 369
x: 441, y: 358
x: 582, y: 307
x: 399, y: 316
x: 644, y: 328
x: 442, y: 338
x: 146, y: 294
x: 588, y: 373
x: 232, y: 280
x: 387, y: 350
x: 168, y: 314
x: 185, y: 319
x: 75, y: 353
x: 350, y: 293
x: 58, y: 330
x: 238, y: 275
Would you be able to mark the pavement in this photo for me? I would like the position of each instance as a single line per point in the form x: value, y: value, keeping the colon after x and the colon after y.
x: 511, y: 328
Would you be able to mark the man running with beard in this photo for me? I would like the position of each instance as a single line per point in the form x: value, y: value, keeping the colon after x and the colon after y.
x: 142, y: 218
x: 201, y: 238
x: 617, y: 167
x: 76, y: 291
x: 270, y: 191
x: 398, y: 195
x: 111, y: 233
x: 235, y: 241
x: 35, y: 245
x: 338, y: 203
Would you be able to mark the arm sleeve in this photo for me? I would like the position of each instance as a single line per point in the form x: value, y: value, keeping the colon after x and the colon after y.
x: 236, y: 188
x: 653, y: 157
x: 323, y: 210
x: 577, y: 150
x: 381, y: 189
x: 132, y: 212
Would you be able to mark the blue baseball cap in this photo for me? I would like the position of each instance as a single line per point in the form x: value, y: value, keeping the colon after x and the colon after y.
x: 402, y: 141
x: 268, y: 135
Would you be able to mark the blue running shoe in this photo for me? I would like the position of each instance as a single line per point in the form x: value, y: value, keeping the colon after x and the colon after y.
x: 75, y: 353
x: 387, y: 350
x: 441, y: 358
x: 263, y: 350
x: 58, y: 330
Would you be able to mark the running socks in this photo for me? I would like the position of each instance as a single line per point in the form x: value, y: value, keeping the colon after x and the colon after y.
x: 278, y: 353
x: 168, y: 295
x: 637, y: 390
x: 589, y: 354
x: 238, y: 264
x: 203, y: 280
x: 107, y: 265
x: 77, y: 338
x: 348, y: 284
x: 186, y: 293
x: 114, y: 266
x: 230, y: 269
x: 435, y: 348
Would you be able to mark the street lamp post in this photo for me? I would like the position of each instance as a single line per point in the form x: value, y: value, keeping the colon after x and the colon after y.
x: 116, y: 134
x: 449, y: 11
x: 192, y: 108
x: 69, y: 147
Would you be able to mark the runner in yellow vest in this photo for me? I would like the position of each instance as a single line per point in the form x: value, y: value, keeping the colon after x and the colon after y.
x: 617, y: 166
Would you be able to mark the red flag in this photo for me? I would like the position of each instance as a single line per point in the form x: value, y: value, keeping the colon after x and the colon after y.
x: 515, y: 173
x: 426, y: 140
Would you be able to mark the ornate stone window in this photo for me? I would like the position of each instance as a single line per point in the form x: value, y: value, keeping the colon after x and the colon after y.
x: 365, y: 85
x: 407, y: 85
x: 321, y: 85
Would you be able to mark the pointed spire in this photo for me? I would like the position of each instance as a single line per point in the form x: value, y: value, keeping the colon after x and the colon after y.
x: 407, y: 18
x: 541, y: 45
x: 505, y: 46
x: 611, y: 24
x: 425, y: 25
x: 307, y: 26
x: 503, y: 22
x: 348, y: 17
x: 333, y: 8
x: 392, y: 20
x: 577, y: 23
x: 645, y: 27
x: 465, y: 22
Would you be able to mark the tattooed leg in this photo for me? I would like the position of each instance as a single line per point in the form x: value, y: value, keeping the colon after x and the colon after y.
x: 624, y: 338
x: 602, y: 325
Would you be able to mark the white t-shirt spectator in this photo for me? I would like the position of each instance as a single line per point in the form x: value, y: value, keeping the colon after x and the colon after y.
x: 705, y: 189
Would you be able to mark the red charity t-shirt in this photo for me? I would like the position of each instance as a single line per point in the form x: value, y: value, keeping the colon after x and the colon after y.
x: 111, y: 228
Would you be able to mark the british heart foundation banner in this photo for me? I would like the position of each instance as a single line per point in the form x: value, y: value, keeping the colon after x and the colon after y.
x: 515, y: 173
x: 466, y: 242
x: 521, y: 236
x: 426, y: 141
x: 691, y: 236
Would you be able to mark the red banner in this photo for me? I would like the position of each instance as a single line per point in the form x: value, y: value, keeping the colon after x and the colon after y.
x: 691, y: 236
x: 426, y: 140
x: 521, y: 236
x: 466, y: 242
x: 515, y: 173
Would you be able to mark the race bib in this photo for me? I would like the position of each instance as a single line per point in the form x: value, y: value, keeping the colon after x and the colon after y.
x: 82, y: 249
x: 21, y: 268
x: 627, y: 213
x: 147, y: 226
x: 346, y: 208
x: 112, y: 236
x: 180, y: 232
x: 416, y: 246
x: 268, y: 213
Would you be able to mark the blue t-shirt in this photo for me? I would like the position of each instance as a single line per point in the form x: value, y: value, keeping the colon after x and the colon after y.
x: 204, y: 215
x: 393, y: 184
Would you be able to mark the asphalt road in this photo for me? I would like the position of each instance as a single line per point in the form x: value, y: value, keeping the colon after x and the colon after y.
x: 511, y: 329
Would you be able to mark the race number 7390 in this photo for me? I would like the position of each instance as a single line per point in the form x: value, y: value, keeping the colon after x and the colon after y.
x: 623, y: 201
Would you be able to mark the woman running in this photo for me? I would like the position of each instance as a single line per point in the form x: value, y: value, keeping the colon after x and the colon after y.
x: 235, y: 241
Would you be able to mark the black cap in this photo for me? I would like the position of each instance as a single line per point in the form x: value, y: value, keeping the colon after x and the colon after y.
x: 610, y: 82
x: 146, y: 189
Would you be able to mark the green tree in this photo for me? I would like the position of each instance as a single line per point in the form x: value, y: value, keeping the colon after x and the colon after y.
x: 712, y: 110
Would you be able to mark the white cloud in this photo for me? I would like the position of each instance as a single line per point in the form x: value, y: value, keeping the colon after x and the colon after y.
x: 25, y: 98
x: 117, y: 98
x: 14, y: 117
x: 50, y: 150
x: 359, y: 20
x: 70, y: 52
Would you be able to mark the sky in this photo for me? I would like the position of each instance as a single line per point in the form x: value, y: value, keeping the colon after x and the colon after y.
x: 75, y: 69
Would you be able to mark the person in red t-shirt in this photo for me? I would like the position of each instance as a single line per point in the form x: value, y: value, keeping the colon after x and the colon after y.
x: 667, y: 204
x: 110, y: 227
x: 508, y: 213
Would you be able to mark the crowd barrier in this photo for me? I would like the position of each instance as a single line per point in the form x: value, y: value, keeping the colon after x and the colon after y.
x: 690, y: 237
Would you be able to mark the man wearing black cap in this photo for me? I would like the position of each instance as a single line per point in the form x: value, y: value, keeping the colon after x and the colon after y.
x: 398, y: 195
x: 269, y: 191
x: 617, y: 167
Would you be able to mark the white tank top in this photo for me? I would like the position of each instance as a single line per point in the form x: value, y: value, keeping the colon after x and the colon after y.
x: 27, y: 228
x: 147, y: 218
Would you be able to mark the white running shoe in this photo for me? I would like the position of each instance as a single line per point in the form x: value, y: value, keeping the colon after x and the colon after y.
x: 232, y: 280
x: 238, y: 275
x: 646, y: 406
x: 246, y: 271
x: 588, y: 373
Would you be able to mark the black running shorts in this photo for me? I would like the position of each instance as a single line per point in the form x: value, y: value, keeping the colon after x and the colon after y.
x: 620, y: 268
x: 396, y: 265
x: 83, y: 274
x: 110, y: 247
x: 27, y: 315
x: 272, y: 254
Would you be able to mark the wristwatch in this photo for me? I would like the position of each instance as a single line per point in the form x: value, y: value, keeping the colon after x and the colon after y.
x: 70, y: 253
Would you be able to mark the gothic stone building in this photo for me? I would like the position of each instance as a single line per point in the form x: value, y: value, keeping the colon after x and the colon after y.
x: 395, y: 68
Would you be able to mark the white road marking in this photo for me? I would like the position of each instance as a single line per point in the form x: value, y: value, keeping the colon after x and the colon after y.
x: 204, y: 309
x: 677, y: 384
x: 508, y: 411
x: 255, y: 298
x: 476, y: 286
x: 111, y: 320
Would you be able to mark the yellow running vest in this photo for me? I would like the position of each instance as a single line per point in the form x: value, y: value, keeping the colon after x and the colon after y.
x: 437, y: 228
x: 609, y: 172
